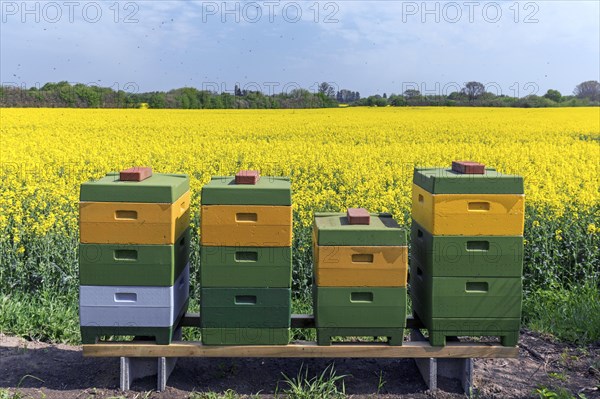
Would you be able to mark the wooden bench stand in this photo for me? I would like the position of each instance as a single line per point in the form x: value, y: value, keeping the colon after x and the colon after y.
x: 145, y: 358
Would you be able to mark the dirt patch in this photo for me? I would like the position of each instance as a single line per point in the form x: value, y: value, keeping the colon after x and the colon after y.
x: 60, y: 371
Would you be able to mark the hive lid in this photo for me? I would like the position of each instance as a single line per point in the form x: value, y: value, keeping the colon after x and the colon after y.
x: 158, y: 188
x: 267, y: 190
x: 448, y: 181
x: 335, y: 229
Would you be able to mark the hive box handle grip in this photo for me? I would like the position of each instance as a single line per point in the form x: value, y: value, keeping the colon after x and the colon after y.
x: 246, y: 256
x: 478, y: 206
x: 126, y: 215
x: 477, y: 286
x: 125, y: 297
x: 245, y: 299
x: 361, y: 297
x: 127, y: 255
x: 362, y: 258
x: 478, y: 245
x: 246, y: 217
x: 183, y: 207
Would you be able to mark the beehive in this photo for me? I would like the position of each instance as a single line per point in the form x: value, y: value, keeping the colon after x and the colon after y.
x: 467, y: 252
x: 360, y: 274
x: 134, y: 254
x: 246, y: 262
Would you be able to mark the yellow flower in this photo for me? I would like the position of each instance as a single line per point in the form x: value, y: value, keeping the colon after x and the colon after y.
x: 335, y: 157
x: 558, y: 235
x: 592, y: 229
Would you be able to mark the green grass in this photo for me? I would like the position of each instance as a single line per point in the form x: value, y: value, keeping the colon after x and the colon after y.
x: 43, y: 316
x: 556, y: 393
x: 6, y: 394
x: 571, y: 315
x: 324, y: 385
x: 229, y: 394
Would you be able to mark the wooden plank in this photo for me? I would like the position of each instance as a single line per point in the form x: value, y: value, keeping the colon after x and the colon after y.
x: 303, y: 350
x: 297, y: 321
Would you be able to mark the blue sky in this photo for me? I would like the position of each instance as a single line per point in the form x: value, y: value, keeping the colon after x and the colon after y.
x: 515, y: 48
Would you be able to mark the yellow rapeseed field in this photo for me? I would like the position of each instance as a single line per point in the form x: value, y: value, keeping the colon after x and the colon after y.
x: 336, y: 158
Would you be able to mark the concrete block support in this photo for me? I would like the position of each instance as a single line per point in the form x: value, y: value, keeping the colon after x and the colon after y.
x: 135, y: 368
x: 455, y: 369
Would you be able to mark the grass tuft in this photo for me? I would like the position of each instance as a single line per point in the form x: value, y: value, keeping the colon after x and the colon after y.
x: 324, y: 385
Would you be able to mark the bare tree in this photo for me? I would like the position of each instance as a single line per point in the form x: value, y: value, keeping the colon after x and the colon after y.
x: 589, y: 90
x: 327, y: 89
x: 473, y: 90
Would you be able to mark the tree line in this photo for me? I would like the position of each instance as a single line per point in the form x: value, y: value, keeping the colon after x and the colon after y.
x: 64, y: 94
x: 475, y: 94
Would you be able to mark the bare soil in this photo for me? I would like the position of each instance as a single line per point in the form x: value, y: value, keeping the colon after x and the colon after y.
x: 41, y: 370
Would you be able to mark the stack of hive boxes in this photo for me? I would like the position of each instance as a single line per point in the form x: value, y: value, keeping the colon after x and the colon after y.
x: 134, y: 251
x: 246, y: 260
x: 360, y: 271
x: 467, y: 252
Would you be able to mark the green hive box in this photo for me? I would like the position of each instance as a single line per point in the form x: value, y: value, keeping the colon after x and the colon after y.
x: 222, y: 190
x: 360, y: 307
x: 463, y: 256
x: 360, y: 311
x: 245, y: 307
x: 159, y: 188
x: 133, y: 265
x: 466, y: 306
x: 245, y: 336
x: 446, y: 181
x: 235, y: 267
x: 333, y: 229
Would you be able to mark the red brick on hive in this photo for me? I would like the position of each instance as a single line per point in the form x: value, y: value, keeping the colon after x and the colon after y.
x: 468, y: 167
x: 358, y: 216
x: 247, y: 177
x: 137, y: 173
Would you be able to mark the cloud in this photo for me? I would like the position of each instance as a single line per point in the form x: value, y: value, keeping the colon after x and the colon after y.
x: 362, y: 45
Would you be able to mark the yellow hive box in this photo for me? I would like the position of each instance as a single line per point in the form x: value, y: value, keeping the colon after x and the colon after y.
x: 469, y: 214
x: 132, y: 222
x: 341, y: 266
x: 246, y: 225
